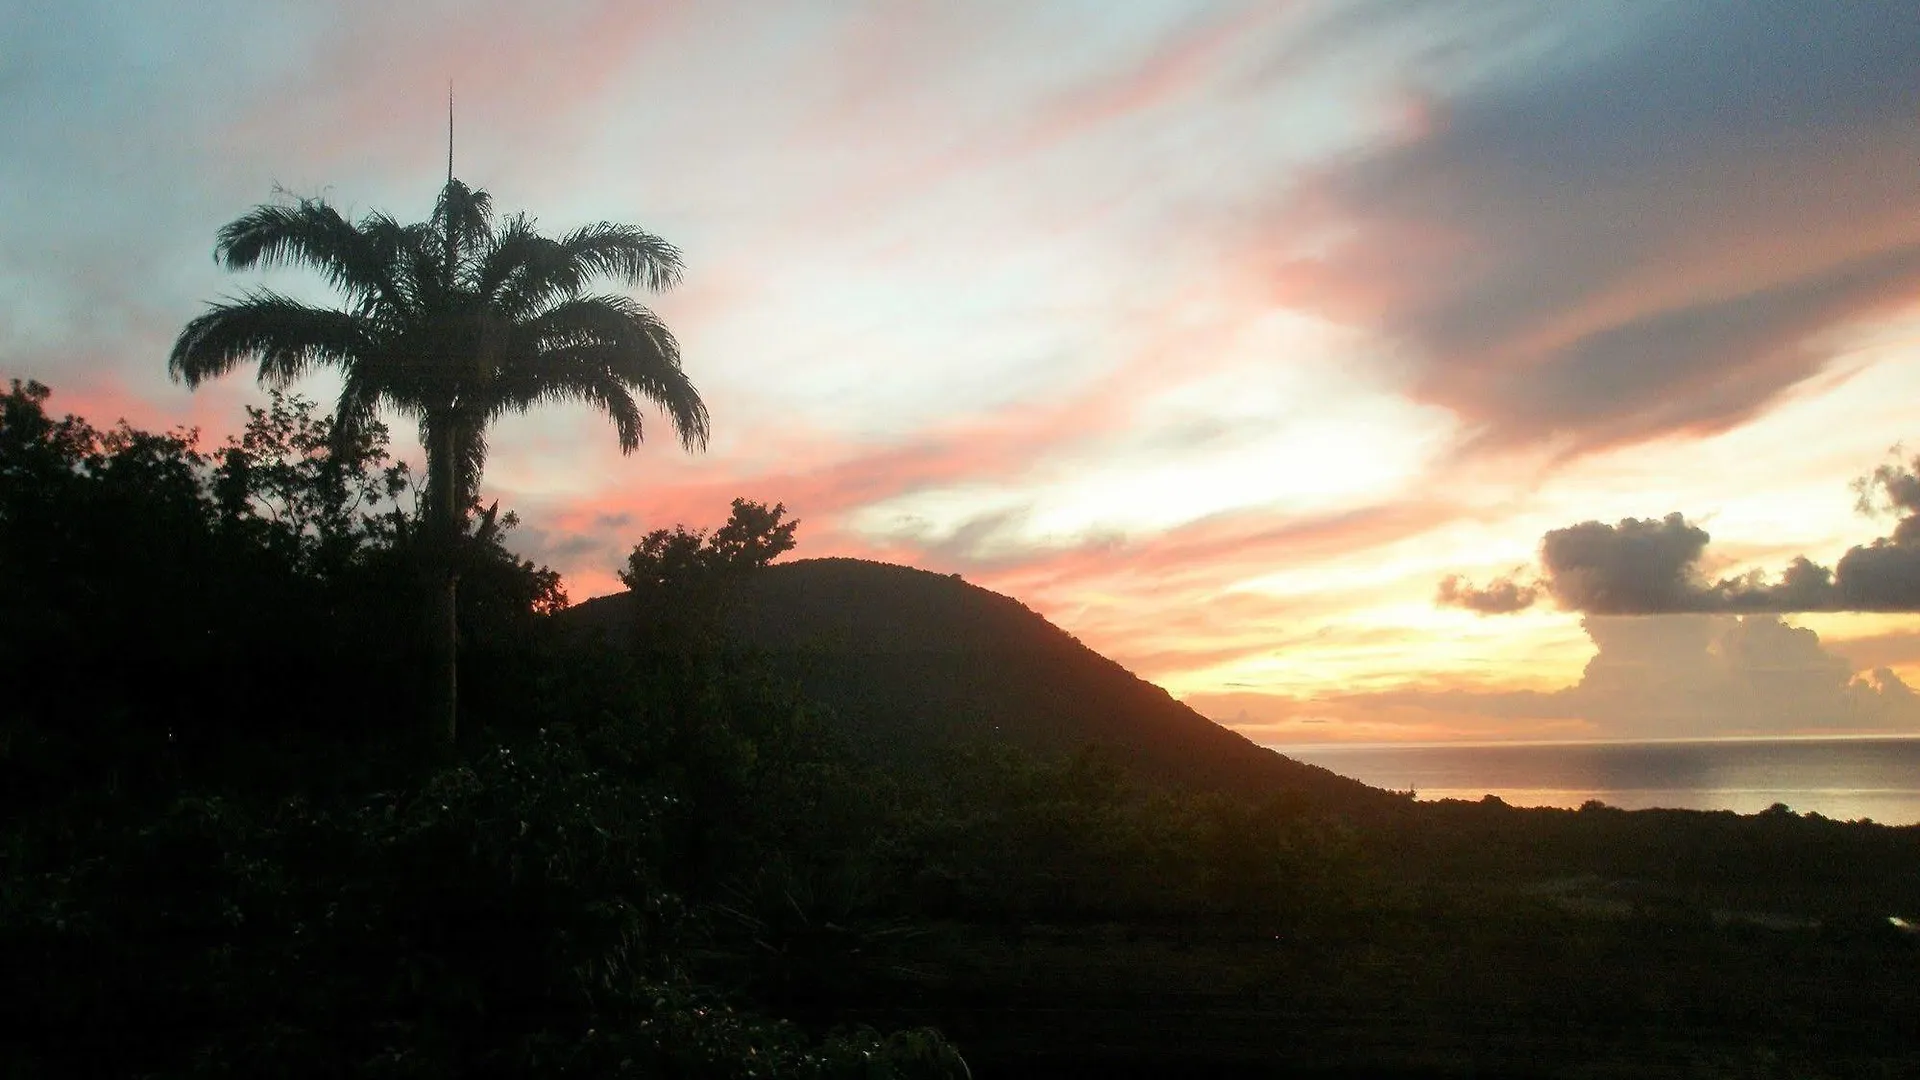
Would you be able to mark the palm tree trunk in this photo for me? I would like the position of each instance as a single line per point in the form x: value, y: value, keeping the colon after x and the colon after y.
x: 444, y: 630
x: 443, y: 585
x: 444, y: 487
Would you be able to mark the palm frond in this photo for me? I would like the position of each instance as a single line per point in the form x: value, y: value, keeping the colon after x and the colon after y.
x: 521, y: 268
x: 581, y: 379
x: 357, y: 409
x: 586, y: 349
x: 524, y: 272
x: 633, y: 256
x: 287, y: 337
x: 668, y: 387
x: 463, y: 220
x: 357, y: 260
x: 609, y: 318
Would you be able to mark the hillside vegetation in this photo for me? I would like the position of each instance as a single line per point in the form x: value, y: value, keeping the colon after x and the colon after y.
x: 911, y: 664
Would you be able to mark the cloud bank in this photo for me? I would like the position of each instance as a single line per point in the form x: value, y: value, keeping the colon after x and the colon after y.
x: 1674, y: 677
x: 1643, y: 566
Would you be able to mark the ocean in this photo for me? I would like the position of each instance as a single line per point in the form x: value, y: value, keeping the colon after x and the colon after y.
x: 1843, y: 778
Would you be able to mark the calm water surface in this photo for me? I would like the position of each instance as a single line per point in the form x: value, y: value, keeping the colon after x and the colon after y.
x: 1841, y: 778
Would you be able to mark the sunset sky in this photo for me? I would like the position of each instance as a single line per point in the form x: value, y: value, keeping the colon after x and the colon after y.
x: 1221, y: 335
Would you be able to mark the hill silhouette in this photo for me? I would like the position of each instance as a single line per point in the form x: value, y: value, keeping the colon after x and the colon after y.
x: 913, y: 663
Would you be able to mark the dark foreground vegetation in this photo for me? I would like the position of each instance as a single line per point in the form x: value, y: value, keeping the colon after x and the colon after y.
x: 817, y: 820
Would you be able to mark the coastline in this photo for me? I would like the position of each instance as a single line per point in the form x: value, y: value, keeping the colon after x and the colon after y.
x: 1848, y: 778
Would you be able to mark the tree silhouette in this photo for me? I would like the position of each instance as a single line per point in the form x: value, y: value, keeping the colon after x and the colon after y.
x: 451, y: 322
x: 685, y: 581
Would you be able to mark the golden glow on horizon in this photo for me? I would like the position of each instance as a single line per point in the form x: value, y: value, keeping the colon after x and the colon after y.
x: 1386, y: 648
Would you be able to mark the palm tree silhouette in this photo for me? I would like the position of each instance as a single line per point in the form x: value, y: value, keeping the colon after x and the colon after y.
x: 452, y: 322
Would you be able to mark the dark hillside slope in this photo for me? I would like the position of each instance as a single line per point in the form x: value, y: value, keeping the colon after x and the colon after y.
x: 912, y: 661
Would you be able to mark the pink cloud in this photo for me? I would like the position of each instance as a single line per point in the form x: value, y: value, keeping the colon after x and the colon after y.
x: 105, y: 399
x: 893, y: 53
x: 523, y: 73
x: 1178, y: 68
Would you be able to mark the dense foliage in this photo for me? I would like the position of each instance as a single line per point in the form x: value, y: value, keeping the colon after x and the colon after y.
x: 226, y: 853
x: 222, y: 854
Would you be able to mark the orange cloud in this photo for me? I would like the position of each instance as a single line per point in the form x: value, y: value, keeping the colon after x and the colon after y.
x: 1666, y: 676
x: 1898, y: 649
x: 1281, y: 720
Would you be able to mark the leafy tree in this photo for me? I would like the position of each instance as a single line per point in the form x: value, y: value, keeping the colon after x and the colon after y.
x: 319, y: 497
x: 452, y: 322
x: 684, y: 579
x: 156, y: 596
x: 753, y: 537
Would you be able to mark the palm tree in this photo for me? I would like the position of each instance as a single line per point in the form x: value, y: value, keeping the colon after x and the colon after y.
x: 452, y: 322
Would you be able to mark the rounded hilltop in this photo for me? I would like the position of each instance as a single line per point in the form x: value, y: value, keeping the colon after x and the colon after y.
x: 912, y: 662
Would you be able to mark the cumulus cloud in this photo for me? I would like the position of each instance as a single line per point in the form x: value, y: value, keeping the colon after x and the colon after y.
x: 1643, y: 566
x: 1497, y: 597
x: 1635, y: 566
x: 1725, y: 673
